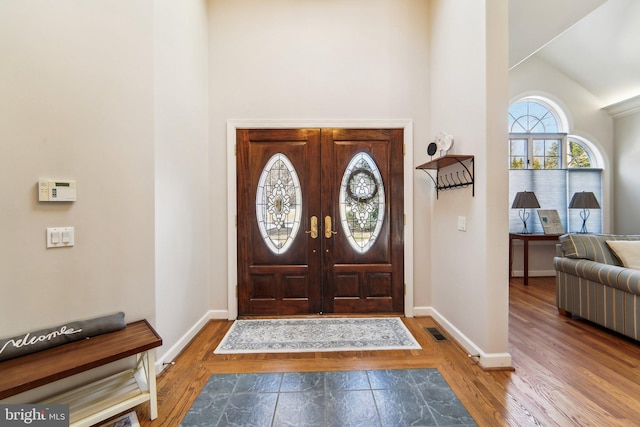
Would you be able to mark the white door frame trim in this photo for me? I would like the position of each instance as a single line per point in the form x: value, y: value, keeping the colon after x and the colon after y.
x: 232, y: 247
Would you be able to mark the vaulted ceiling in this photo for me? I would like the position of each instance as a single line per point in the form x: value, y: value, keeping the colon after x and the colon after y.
x: 594, y: 42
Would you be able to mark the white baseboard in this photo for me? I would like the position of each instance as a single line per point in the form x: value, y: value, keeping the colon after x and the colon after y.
x: 173, y: 352
x: 486, y: 360
x: 219, y: 314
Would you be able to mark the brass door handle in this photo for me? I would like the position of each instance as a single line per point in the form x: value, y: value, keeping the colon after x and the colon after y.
x: 314, y: 227
x: 328, y: 232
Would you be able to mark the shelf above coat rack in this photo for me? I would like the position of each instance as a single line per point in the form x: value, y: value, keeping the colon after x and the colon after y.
x: 462, y: 178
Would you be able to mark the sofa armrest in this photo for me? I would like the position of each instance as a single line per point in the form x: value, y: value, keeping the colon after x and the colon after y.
x: 625, y: 279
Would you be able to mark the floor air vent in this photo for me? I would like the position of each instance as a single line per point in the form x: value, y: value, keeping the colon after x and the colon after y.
x: 436, y: 334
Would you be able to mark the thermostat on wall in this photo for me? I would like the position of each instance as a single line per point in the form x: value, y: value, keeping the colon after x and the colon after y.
x: 57, y: 191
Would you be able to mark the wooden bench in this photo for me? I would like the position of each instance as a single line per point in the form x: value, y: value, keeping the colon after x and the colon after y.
x: 101, y: 399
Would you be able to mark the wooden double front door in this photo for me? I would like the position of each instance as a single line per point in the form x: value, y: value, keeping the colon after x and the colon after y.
x: 320, y: 221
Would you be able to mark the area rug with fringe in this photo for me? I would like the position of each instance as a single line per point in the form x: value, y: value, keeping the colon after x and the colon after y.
x: 317, y: 334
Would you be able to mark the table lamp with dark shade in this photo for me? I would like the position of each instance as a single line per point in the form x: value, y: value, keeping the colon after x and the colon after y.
x: 584, y: 200
x: 525, y: 200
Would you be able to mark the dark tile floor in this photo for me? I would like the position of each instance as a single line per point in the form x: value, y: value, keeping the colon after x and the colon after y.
x: 413, y: 397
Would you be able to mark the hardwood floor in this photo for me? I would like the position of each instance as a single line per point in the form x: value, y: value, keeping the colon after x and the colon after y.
x: 567, y: 372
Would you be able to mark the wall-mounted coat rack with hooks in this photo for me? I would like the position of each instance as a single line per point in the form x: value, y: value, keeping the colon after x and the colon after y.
x: 461, y: 178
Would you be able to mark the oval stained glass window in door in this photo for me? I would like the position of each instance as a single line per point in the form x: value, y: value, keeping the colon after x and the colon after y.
x: 278, y: 203
x: 362, y: 202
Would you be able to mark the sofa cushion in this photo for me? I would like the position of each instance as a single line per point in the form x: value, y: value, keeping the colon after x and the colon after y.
x: 592, y: 246
x: 627, y: 251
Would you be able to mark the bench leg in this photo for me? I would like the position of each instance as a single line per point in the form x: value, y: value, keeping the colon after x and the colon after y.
x: 153, y: 393
x: 148, y: 359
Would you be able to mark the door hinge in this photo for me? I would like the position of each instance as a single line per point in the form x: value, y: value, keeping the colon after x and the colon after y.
x: 404, y: 218
x: 404, y: 149
x: 235, y: 149
x: 405, y: 289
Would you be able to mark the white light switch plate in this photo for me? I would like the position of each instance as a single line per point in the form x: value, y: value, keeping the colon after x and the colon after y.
x: 60, y: 237
x: 462, y: 223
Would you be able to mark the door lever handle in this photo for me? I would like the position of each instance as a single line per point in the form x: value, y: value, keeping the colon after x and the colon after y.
x: 313, y: 227
x: 328, y: 232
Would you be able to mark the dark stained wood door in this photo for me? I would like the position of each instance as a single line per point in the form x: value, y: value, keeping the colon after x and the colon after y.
x: 288, y: 282
x: 358, y: 280
x: 325, y: 248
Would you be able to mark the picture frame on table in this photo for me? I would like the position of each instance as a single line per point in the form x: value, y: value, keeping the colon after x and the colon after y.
x: 550, y: 221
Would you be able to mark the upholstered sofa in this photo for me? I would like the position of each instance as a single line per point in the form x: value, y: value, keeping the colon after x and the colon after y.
x: 594, y: 280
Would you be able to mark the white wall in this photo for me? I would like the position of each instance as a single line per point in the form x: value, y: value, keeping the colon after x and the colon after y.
x: 77, y: 103
x: 627, y: 179
x: 586, y: 119
x: 469, y: 100
x: 313, y: 60
x: 181, y: 171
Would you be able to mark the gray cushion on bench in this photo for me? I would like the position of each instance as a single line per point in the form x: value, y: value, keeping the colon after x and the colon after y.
x: 52, y: 337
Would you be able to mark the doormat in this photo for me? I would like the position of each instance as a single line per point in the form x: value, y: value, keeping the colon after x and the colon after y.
x: 402, y: 397
x: 312, y: 335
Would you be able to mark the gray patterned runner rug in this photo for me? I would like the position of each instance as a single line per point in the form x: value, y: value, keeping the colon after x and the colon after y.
x: 311, y: 335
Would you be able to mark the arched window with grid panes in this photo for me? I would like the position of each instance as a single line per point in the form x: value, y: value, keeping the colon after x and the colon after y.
x: 544, y: 157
